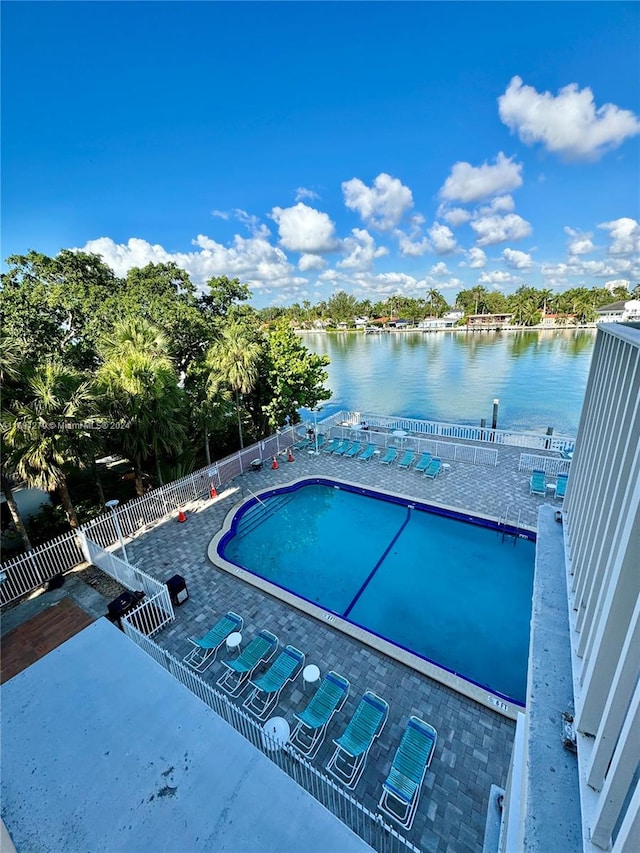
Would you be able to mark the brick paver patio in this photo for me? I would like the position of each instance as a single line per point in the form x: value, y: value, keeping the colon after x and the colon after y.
x: 474, y: 743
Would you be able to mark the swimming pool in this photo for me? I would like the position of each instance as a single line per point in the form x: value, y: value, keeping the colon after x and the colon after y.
x: 442, y: 585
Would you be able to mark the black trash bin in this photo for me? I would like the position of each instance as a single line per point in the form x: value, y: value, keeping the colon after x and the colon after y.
x: 121, y: 605
x: 177, y: 587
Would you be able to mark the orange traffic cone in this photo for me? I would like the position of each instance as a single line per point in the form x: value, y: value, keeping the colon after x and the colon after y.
x: 274, y: 464
x: 181, y: 516
x: 290, y: 457
x: 213, y: 491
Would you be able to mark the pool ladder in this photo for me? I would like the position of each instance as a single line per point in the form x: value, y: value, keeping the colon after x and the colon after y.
x: 504, y: 525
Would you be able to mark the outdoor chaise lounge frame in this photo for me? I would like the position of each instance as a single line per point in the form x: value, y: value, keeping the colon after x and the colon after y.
x: 537, y: 484
x: 342, y: 448
x: 268, y: 686
x: 433, y: 468
x: 408, y: 769
x: 204, y: 650
x: 309, y: 732
x: 355, y: 448
x: 423, y: 463
x: 561, y: 486
x: 407, y: 459
x: 260, y: 650
x: 334, y: 444
x: 352, y: 747
x: 389, y: 456
x: 302, y: 443
x: 367, y: 453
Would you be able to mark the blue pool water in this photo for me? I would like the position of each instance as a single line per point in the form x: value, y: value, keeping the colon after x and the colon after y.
x: 446, y: 589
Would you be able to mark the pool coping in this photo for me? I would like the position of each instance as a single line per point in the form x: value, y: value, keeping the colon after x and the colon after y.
x: 482, y: 695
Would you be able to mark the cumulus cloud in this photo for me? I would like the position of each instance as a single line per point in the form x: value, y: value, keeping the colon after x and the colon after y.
x: 569, y: 123
x: 220, y: 214
x: 411, y: 246
x: 303, y: 192
x: 305, y: 229
x: 311, y: 262
x: 517, y: 260
x: 439, y: 269
x: 499, y: 204
x: 497, y: 279
x: 468, y: 183
x: 579, y: 243
x: 442, y: 239
x: 498, y: 229
x: 455, y: 216
x: 381, y: 205
x: 361, y: 250
x: 624, y: 234
x: 477, y: 258
x: 579, y: 267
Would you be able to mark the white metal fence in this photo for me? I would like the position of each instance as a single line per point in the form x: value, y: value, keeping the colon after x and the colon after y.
x: 34, y: 568
x: 370, y: 826
x: 548, y: 464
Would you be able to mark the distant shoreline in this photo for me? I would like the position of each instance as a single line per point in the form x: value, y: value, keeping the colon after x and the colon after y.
x: 467, y: 330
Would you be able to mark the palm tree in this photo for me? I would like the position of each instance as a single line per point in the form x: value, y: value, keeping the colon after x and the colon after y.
x: 44, y: 432
x: 233, y: 361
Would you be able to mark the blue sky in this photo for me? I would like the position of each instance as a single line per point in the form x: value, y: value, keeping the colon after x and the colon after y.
x: 304, y: 147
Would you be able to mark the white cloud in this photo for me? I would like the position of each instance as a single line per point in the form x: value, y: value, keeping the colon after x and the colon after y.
x: 303, y: 192
x: 497, y: 278
x: 517, y: 260
x: 382, y: 205
x: 579, y: 267
x: 499, y: 204
x: 311, y: 262
x: 410, y: 245
x: 361, y: 249
x: 625, y: 235
x: 220, y: 214
x: 439, y: 269
x: 568, y: 124
x: 477, y: 258
x: 580, y: 243
x: 498, y: 229
x: 468, y: 183
x: 442, y: 239
x: 455, y: 216
x: 305, y: 229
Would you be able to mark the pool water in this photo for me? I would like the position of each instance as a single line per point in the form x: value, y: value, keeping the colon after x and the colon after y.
x: 448, y: 590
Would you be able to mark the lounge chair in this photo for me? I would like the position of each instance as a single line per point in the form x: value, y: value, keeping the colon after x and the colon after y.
x: 404, y: 782
x: 342, y: 447
x: 309, y: 732
x: 352, y: 747
x: 389, y: 456
x: 367, y: 453
x: 334, y: 444
x: 204, y: 650
x: 302, y: 443
x: 267, y: 687
x: 561, y: 485
x: 407, y: 459
x: 260, y: 650
x: 321, y: 440
x: 423, y: 463
x: 353, y: 450
x: 433, y: 468
x: 537, y: 484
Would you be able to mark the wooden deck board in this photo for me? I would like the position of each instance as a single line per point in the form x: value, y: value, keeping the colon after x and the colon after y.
x: 33, y: 639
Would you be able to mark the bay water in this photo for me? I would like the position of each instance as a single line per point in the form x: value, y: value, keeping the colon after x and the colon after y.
x: 538, y: 376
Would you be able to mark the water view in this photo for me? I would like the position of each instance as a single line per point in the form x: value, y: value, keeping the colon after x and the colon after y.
x: 539, y: 376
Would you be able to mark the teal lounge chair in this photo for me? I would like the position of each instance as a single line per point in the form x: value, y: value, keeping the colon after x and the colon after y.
x: 204, y: 650
x: 260, y: 650
x: 367, y: 453
x: 300, y: 445
x: 321, y: 440
x: 423, y: 463
x: 404, y: 782
x: 308, y: 734
x: 561, y: 486
x: 334, y: 444
x: 352, y: 747
x: 342, y: 447
x: 407, y: 459
x: 433, y: 468
x: 389, y: 456
x: 537, y: 484
x: 268, y: 687
x: 353, y: 450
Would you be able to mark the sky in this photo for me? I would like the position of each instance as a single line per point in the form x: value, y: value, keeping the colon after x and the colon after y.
x: 306, y: 147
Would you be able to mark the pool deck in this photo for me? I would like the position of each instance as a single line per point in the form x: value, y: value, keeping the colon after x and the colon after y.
x: 474, y: 743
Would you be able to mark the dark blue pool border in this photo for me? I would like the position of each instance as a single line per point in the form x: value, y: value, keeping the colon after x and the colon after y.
x: 509, y: 530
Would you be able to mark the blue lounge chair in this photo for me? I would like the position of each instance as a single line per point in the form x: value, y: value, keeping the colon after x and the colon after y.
x: 367, y: 453
x: 404, y: 782
x: 204, y: 650
x: 353, y: 450
x: 561, y: 486
x: 433, y: 468
x: 423, y: 463
x: 333, y: 445
x: 352, y: 747
x: 389, y: 456
x: 342, y: 447
x: 309, y: 732
x: 268, y: 687
x: 260, y: 650
x: 302, y: 443
x: 407, y: 459
x: 321, y: 440
x: 537, y: 484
